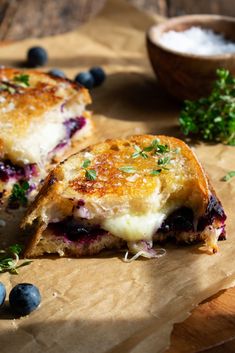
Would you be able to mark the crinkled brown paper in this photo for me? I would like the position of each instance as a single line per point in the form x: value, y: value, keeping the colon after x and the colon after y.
x: 102, y: 304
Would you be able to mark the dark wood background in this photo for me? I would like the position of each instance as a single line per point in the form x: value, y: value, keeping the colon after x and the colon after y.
x: 36, y: 18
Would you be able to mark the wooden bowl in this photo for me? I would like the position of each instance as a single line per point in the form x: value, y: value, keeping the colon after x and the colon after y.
x: 188, y: 76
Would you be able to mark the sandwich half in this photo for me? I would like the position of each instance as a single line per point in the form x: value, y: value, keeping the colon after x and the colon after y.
x: 125, y: 193
x: 40, y: 115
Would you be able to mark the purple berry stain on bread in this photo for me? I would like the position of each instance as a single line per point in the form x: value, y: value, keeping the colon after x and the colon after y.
x: 71, y: 230
x: 74, y: 124
x: 9, y: 171
x: 180, y: 220
x: 214, y: 212
x: 52, y: 180
x: 80, y: 203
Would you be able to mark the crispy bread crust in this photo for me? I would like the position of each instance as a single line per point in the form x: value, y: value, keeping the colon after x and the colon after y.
x: 66, y: 184
x: 55, y: 244
x: 43, y: 93
x: 68, y: 179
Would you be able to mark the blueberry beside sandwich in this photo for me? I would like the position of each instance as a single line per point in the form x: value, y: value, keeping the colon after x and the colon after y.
x: 125, y: 193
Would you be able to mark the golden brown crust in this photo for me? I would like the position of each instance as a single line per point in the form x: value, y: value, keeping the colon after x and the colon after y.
x: 122, y: 150
x: 31, y: 102
x: 55, y: 244
x: 69, y: 179
x: 183, y: 183
x: 26, y: 108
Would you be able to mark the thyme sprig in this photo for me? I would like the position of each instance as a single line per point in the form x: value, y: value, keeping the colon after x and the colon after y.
x: 22, y: 80
x: 9, y: 259
x: 90, y: 174
x: 212, y: 118
x: 18, y: 195
x: 229, y: 175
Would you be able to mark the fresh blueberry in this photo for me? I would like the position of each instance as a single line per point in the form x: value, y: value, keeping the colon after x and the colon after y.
x: 24, y: 298
x: 2, y: 293
x: 36, y: 56
x: 98, y: 74
x: 57, y: 73
x: 85, y: 79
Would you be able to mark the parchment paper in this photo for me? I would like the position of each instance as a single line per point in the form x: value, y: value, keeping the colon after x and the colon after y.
x: 102, y: 304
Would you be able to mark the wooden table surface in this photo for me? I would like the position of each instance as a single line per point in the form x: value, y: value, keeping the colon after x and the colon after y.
x: 210, y: 328
x: 25, y: 18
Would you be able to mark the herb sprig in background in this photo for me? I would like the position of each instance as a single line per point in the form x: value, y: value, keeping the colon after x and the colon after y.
x: 212, y: 118
x: 9, y: 259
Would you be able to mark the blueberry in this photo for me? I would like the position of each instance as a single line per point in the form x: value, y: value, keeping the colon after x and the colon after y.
x: 24, y: 298
x: 180, y: 220
x: 36, y: 56
x: 98, y: 74
x: 85, y: 79
x: 2, y: 293
x: 57, y: 73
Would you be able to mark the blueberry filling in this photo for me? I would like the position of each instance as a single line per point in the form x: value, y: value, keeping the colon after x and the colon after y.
x: 214, y: 211
x: 73, y: 125
x: 73, y: 231
x: 180, y: 220
x: 9, y: 170
x: 60, y: 145
x: 80, y: 203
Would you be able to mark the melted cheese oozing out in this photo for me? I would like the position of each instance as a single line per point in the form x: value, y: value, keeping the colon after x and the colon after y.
x: 134, y: 227
x: 41, y: 136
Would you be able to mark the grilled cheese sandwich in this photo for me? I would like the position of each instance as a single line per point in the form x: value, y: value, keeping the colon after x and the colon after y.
x: 125, y: 191
x: 39, y: 114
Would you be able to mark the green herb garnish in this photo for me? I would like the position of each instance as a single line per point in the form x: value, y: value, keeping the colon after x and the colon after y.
x: 22, y: 80
x: 90, y: 174
x: 229, y: 175
x: 155, y: 171
x: 153, y: 145
x: 139, y: 153
x: 212, y: 118
x: 18, y: 194
x: 7, y: 87
x: 163, y: 161
x: 127, y: 169
x: 9, y: 259
x: 157, y: 147
x: 86, y: 163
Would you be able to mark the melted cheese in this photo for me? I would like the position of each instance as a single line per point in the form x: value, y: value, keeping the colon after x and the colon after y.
x: 38, y: 144
x: 41, y: 138
x: 134, y: 227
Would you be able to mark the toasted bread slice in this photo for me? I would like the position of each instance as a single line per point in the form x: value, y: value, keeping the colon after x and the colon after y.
x: 124, y: 191
x: 39, y: 116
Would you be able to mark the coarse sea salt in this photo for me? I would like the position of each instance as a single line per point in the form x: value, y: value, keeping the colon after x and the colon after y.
x: 196, y: 40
